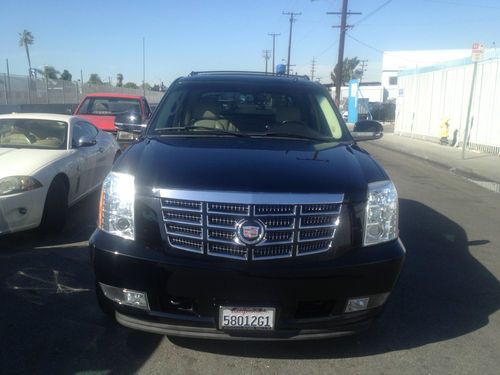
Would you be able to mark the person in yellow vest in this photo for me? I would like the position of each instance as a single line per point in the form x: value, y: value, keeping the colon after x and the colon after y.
x: 444, y: 131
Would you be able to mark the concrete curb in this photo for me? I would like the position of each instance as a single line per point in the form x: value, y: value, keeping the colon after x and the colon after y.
x: 463, y: 172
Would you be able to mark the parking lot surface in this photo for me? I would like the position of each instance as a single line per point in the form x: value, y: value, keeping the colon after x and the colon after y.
x: 443, y: 316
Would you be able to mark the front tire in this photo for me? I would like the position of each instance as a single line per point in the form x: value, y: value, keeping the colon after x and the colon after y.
x: 55, y: 209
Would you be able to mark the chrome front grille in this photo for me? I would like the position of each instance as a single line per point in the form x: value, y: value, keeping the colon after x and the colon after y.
x: 206, y: 226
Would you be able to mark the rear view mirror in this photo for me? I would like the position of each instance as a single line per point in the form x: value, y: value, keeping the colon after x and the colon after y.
x: 366, y: 130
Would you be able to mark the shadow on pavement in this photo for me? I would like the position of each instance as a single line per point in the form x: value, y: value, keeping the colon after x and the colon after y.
x: 443, y: 292
x: 49, y: 319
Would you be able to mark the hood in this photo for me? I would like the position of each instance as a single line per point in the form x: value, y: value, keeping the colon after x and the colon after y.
x: 24, y: 162
x: 106, y: 123
x: 250, y: 164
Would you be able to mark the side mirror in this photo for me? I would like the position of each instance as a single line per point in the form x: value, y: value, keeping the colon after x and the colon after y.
x: 86, y: 141
x: 366, y: 130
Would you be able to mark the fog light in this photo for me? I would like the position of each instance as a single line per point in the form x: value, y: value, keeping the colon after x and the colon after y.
x: 357, y: 304
x: 126, y: 296
x: 365, y: 303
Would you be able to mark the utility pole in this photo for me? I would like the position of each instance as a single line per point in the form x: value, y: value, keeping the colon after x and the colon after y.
x: 144, y: 66
x: 313, y: 69
x: 292, y: 18
x: 340, y: 62
x: 266, y: 54
x: 363, y: 69
x: 8, y: 81
x: 274, y: 35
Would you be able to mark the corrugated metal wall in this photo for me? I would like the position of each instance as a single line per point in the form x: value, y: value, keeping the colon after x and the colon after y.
x: 428, y: 95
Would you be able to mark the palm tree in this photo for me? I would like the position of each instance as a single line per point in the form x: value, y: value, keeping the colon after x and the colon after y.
x: 26, y: 39
x: 119, y: 80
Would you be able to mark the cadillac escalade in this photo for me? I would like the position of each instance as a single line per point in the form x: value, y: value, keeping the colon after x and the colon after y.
x: 247, y: 210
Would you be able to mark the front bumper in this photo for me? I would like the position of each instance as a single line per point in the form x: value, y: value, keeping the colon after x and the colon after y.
x: 184, y: 293
x: 21, y: 211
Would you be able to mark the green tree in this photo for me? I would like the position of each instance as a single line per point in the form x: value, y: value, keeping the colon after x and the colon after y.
x: 347, y: 69
x: 49, y: 72
x: 130, y: 85
x: 119, y: 80
x: 94, y: 79
x: 26, y: 39
x: 66, y: 76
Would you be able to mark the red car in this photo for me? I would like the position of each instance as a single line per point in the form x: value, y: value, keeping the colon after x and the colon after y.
x: 101, y: 109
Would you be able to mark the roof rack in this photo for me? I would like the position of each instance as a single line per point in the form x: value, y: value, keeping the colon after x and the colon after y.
x: 244, y: 72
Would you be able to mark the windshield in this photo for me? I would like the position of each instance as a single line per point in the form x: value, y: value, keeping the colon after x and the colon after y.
x: 254, y: 110
x: 109, y: 106
x: 33, y: 133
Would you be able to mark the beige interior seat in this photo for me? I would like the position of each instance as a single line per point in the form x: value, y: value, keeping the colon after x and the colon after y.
x: 207, y: 115
x: 18, y: 139
x: 52, y: 142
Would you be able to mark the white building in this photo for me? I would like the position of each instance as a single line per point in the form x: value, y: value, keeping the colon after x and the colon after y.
x: 395, y: 61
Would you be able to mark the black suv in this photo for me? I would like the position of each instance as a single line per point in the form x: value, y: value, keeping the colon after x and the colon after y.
x: 247, y: 211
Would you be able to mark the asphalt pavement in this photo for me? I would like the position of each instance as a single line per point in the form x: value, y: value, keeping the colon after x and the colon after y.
x: 443, y: 316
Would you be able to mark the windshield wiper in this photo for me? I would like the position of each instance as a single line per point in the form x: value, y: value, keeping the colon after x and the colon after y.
x: 192, y: 127
x: 299, y: 136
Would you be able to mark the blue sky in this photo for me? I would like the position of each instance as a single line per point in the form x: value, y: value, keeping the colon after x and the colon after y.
x: 105, y: 37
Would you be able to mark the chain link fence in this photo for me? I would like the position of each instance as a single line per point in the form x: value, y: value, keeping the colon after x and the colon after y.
x: 16, y: 89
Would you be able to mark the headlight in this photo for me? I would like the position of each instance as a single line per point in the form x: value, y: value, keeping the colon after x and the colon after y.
x: 18, y: 184
x: 381, y: 221
x: 116, y: 207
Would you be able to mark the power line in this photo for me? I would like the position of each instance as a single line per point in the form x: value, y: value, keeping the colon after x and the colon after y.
x: 292, y: 19
x: 372, y: 12
x: 274, y: 35
x: 462, y: 4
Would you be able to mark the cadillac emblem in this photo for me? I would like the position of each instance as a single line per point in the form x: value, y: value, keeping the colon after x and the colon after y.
x: 250, y: 231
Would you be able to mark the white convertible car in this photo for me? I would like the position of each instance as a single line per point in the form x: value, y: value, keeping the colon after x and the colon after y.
x: 48, y: 162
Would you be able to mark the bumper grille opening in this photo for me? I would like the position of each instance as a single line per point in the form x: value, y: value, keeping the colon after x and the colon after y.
x: 274, y: 209
x: 318, y: 221
x: 182, y: 217
x: 228, y: 251
x: 186, y: 230
x: 313, y: 247
x: 186, y: 244
x: 229, y: 208
x: 270, y: 252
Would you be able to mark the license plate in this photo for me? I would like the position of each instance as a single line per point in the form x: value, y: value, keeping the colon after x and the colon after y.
x: 251, y: 318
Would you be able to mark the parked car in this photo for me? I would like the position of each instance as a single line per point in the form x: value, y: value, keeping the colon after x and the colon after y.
x: 48, y: 163
x: 123, y: 115
x: 247, y: 211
